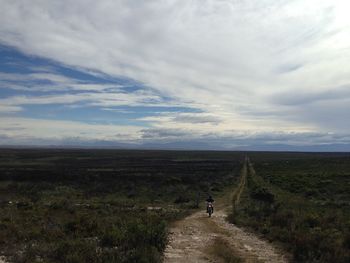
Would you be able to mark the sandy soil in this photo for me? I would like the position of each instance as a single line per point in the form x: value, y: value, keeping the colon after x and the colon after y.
x: 190, y: 238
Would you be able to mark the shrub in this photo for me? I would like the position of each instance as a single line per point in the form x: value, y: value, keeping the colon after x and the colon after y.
x: 181, y: 199
x: 75, y: 251
x: 263, y: 194
x: 113, y: 237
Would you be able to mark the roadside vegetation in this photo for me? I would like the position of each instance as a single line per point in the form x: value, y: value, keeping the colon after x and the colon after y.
x: 301, y: 201
x: 102, y: 205
x: 115, y: 206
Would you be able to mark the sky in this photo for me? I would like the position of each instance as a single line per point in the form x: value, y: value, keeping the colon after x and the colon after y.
x: 199, y: 74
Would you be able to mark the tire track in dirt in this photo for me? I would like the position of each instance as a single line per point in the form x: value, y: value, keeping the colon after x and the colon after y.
x: 191, y: 237
x: 236, y: 196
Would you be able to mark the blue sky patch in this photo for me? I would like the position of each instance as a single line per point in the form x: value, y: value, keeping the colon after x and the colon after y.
x: 32, y: 82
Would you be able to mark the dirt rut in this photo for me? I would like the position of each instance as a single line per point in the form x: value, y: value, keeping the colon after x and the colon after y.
x: 191, y: 238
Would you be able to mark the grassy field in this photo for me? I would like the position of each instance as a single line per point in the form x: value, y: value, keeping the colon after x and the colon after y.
x: 102, y: 205
x: 115, y: 205
x: 302, y: 201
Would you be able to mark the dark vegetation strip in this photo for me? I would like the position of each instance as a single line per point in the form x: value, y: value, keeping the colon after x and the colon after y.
x: 302, y: 203
x: 101, y: 205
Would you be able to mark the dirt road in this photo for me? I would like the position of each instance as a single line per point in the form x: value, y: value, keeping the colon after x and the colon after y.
x: 191, y: 238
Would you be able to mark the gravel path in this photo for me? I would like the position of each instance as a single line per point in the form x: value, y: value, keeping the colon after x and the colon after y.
x: 191, y: 237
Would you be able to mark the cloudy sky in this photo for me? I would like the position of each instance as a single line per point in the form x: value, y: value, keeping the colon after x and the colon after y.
x: 223, y: 74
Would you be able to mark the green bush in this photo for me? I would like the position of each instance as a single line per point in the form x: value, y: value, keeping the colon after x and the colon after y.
x: 91, y: 206
x: 302, y: 203
x: 75, y: 251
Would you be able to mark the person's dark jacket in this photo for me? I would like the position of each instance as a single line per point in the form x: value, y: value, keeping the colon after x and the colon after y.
x: 210, y: 200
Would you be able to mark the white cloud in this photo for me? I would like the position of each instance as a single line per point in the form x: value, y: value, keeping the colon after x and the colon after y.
x: 30, y: 131
x: 102, y: 100
x: 227, y: 58
x: 220, y: 124
x: 53, y: 82
x: 26, y: 129
x: 9, y: 109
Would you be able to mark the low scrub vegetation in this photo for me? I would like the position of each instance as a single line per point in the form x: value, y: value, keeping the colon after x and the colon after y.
x: 101, y: 206
x: 302, y: 203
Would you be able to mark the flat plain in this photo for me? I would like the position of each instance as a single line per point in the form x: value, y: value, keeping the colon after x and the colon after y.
x: 60, y: 205
x: 102, y: 205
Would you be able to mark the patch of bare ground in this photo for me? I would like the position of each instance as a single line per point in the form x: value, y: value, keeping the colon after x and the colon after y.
x: 198, y: 238
x: 192, y: 239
